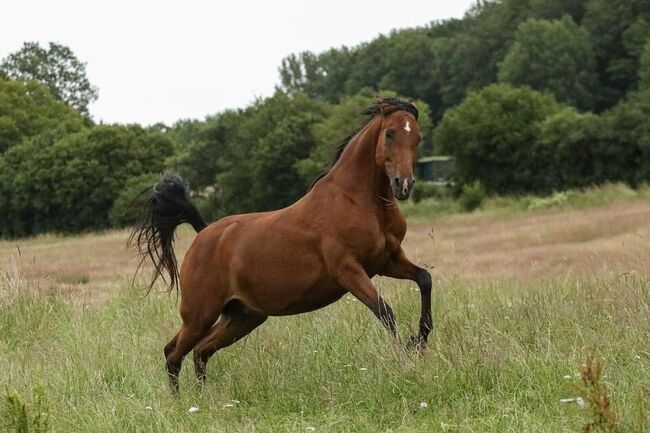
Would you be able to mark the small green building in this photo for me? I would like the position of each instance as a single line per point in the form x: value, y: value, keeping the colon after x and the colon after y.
x: 434, y: 168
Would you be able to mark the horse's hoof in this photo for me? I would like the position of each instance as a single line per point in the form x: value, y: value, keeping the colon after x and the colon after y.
x: 417, y: 343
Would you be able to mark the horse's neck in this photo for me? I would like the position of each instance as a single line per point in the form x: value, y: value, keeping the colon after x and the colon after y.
x: 356, y: 171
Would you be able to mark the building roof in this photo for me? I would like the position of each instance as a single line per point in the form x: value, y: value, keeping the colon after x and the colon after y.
x: 426, y: 159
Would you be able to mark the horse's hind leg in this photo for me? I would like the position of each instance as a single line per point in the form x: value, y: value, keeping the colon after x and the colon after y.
x: 194, y: 328
x: 235, y: 322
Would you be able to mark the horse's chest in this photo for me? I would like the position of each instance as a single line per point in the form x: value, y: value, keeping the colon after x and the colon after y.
x: 387, y: 243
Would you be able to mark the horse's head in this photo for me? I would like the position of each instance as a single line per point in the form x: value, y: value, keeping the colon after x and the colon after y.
x: 397, y: 146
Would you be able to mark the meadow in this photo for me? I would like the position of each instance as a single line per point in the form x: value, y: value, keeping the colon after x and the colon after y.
x: 522, y: 294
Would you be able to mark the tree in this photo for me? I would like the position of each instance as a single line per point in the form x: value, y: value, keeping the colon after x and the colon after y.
x: 244, y: 160
x: 577, y: 149
x: 320, y: 76
x: 618, y: 32
x: 205, y: 146
x: 57, y: 68
x: 644, y: 67
x: 70, y: 183
x: 628, y: 139
x: 468, y: 59
x: 493, y: 136
x: 27, y: 109
x: 259, y: 166
x: 553, y: 56
x: 554, y: 9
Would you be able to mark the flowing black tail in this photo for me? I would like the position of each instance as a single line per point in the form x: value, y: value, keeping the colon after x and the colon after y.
x: 163, y: 209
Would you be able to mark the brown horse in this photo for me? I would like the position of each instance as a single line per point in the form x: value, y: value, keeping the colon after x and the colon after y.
x: 243, y: 268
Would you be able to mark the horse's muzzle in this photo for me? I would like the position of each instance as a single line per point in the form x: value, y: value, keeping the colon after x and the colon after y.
x: 402, y: 187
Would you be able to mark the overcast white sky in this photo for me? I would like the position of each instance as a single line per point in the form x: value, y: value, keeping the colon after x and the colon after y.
x: 164, y: 61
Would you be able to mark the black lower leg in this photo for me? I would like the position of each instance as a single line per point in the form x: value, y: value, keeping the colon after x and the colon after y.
x: 426, y: 322
x: 200, y: 365
x: 172, y: 373
x: 387, y: 317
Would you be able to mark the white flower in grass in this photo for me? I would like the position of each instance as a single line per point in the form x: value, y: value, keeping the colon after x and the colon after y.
x: 193, y: 409
x: 423, y: 405
x: 568, y: 377
x: 310, y: 428
x: 148, y: 408
x: 363, y: 369
x: 578, y: 400
x: 234, y: 401
x: 228, y: 405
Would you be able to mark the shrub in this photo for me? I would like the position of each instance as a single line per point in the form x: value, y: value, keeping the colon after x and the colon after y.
x: 493, y: 135
x: 426, y: 190
x: 17, y: 416
x: 473, y: 195
x: 70, y: 184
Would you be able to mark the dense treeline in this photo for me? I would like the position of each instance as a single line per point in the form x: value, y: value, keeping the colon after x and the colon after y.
x: 527, y: 95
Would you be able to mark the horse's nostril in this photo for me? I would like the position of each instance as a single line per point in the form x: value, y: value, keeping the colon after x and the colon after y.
x: 396, y: 180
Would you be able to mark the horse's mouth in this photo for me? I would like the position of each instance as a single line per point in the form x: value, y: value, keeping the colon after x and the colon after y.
x: 401, y: 195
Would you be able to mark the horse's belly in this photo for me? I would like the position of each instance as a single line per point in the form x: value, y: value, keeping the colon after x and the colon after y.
x: 312, y: 299
x: 290, y: 299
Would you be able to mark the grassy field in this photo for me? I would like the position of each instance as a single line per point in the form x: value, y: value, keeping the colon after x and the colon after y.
x: 518, y: 301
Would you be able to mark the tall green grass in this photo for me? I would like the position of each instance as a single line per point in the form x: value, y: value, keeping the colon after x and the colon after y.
x: 602, y: 195
x: 497, y: 361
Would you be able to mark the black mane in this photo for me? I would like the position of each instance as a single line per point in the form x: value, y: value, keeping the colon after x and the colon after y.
x: 383, y: 106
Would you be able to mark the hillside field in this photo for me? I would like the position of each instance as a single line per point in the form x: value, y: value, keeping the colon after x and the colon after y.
x: 519, y: 300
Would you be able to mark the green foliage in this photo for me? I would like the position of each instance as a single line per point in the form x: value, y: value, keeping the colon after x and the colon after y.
x: 69, y: 184
x: 28, y: 109
x: 388, y: 62
x: 555, y: 57
x: 578, y: 156
x: 472, y: 196
x: 205, y: 146
x: 589, y: 54
x: 17, y: 416
x: 319, y: 76
x: 627, y: 135
x: 125, y: 210
x: 503, y: 206
x: 247, y: 159
x: 644, y: 67
x: 493, y: 136
x: 276, y: 134
x: 467, y: 59
x: 57, y: 68
x: 618, y: 29
x: 427, y: 190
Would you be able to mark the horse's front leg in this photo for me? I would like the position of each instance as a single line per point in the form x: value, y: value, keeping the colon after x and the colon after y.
x: 398, y: 266
x: 354, y: 279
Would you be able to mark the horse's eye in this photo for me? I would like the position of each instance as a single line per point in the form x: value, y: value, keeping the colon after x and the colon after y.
x: 390, y: 134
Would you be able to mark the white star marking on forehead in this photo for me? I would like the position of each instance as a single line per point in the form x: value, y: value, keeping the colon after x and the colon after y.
x: 407, y: 127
